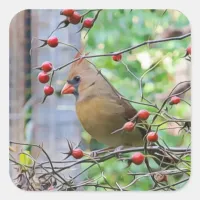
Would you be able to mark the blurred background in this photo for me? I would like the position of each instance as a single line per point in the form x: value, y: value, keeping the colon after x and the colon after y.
x: 30, y: 121
x: 55, y: 120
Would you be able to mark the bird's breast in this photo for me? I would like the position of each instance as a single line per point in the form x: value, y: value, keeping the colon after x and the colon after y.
x: 100, y: 117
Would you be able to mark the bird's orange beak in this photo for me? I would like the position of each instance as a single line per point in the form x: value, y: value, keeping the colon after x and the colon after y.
x: 68, y: 89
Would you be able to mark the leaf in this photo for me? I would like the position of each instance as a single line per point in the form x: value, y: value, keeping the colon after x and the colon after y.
x: 25, y: 159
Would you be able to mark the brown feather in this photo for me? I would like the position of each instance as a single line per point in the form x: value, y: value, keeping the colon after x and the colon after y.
x: 100, y: 108
x: 100, y: 116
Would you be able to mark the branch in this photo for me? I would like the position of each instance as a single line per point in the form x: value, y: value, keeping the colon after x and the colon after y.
x: 126, y: 50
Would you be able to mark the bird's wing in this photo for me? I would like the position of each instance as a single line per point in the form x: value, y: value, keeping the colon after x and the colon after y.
x: 130, y: 112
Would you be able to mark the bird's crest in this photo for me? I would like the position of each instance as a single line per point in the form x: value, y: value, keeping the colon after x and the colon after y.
x: 81, y: 66
x: 80, y: 54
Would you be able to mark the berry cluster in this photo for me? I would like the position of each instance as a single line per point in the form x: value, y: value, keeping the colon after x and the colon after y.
x: 142, y: 115
x: 44, y: 77
x: 74, y: 17
x: 138, y: 158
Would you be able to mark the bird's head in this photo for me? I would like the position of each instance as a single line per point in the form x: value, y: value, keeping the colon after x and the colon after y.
x: 80, y: 77
x: 71, y: 87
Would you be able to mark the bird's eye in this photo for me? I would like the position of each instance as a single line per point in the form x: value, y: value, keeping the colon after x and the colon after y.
x: 77, y: 78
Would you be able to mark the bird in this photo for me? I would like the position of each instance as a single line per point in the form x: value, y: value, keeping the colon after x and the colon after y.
x: 102, y: 111
x: 99, y: 106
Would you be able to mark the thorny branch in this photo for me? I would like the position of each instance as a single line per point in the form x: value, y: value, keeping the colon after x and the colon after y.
x: 44, y: 171
x: 126, y: 50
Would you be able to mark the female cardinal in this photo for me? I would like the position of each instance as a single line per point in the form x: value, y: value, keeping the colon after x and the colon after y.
x: 99, y: 107
x: 101, y: 111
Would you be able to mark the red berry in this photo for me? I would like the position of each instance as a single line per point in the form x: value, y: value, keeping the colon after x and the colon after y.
x: 152, y: 137
x: 75, y: 18
x: 77, y: 153
x: 52, y: 41
x: 128, y: 126
x: 88, y: 22
x: 117, y: 57
x: 43, y: 77
x: 46, y: 66
x: 189, y: 50
x: 175, y: 100
x: 67, y: 12
x: 48, y: 90
x: 137, y: 158
x: 143, y: 114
